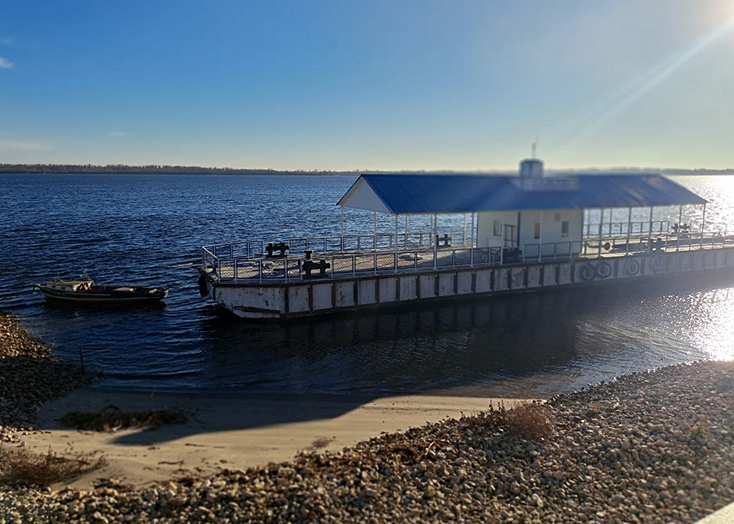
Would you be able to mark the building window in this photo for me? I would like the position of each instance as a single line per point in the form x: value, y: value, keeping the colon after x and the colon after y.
x: 564, y: 229
x: 536, y: 231
x: 558, y: 217
x: 497, y: 228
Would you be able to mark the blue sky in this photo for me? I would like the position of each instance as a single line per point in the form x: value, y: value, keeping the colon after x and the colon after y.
x: 398, y: 84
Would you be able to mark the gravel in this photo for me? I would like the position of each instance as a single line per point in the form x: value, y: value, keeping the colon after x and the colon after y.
x: 29, y: 376
x: 652, y: 447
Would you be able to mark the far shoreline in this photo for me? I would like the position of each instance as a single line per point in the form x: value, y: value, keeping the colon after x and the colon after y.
x: 81, y: 169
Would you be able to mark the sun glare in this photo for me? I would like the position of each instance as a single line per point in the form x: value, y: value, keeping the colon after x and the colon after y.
x: 646, y: 83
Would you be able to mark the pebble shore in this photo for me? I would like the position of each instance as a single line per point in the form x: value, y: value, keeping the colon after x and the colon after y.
x: 653, y: 447
x: 29, y: 376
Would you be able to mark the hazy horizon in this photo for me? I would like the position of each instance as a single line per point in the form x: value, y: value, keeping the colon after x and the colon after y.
x: 410, y: 85
x: 265, y: 170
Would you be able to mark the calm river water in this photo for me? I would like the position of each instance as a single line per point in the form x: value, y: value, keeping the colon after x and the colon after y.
x: 148, y: 230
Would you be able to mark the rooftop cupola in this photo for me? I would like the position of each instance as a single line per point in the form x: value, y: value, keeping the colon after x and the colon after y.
x: 531, y: 167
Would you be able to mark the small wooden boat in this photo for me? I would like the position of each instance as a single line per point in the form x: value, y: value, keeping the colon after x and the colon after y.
x: 86, y: 291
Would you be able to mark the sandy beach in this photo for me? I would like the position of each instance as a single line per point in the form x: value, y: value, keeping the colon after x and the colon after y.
x: 650, y: 447
x: 232, y: 431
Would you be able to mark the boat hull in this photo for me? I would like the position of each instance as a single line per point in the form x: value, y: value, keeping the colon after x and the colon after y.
x: 105, y: 296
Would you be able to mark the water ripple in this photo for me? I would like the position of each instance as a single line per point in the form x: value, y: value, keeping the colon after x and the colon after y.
x: 148, y: 230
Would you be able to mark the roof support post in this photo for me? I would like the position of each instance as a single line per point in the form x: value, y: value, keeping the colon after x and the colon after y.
x: 680, y: 223
x: 434, y: 239
x: 629, y: 231
x: 374, y: 230
x: 463, y: 234
x: 396, y: 242
x: 601, y: 228
x: 341, y: 225
x: 405, y: 238
x: 582, y: 247
x: 472, y: 242
x: 649, y: 232
x: 703, y: 224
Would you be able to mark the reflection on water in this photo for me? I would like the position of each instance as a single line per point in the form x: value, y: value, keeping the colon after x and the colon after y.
x: 564, y: 339
x: 437, y: 345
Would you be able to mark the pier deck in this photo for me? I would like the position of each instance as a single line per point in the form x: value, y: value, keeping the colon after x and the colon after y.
x: 222, y: 263
x: 256, y: 286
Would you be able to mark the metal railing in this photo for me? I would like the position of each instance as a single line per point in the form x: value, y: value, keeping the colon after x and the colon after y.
x: 668, y: 242
x: 255, y: 248
x: 552, y: 250
x: 349, y: 264
x: 223, y: 262
x: 612, y: 229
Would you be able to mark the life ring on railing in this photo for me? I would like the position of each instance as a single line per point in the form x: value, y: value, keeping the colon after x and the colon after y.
x: 607, y: 246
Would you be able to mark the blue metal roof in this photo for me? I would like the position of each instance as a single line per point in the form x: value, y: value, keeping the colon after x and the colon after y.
x: 407, y: 193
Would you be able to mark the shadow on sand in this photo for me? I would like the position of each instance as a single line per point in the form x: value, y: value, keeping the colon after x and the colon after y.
x: 393, y: 352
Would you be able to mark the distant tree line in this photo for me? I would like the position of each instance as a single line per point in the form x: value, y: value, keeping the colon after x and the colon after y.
x: 121, y: 169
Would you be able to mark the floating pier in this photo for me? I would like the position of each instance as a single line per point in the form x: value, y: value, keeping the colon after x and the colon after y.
x: 520, y: 234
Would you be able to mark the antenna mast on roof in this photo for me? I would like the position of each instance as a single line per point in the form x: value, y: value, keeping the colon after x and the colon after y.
x: 533, y: 148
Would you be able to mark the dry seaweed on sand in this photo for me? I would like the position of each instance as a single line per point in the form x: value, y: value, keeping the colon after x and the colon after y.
x: 112, y: 419
x: 21, y: 467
